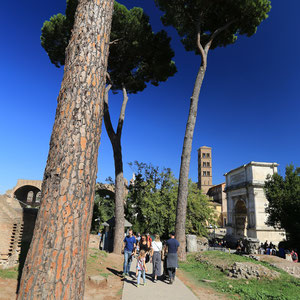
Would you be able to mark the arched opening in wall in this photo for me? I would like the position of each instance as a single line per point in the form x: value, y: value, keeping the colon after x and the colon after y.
x: 241, y: 220
x: 30, y: 196
x: 38, y: 197
x: 25, y: 192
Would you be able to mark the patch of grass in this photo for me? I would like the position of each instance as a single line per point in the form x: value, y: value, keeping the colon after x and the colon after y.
x: 95, y: 255
x: 120, y: 292
x: 105, y: 275
x: 284, y: 288
x: 11, y: 273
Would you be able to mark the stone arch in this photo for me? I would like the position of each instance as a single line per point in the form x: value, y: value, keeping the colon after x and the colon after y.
x: 27, y: 194
x: 241, y: 218
x: 22, y: 190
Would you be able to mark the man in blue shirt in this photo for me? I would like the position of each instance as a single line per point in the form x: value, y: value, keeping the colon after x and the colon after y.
x: 129, y: 248
x: 172, y: 259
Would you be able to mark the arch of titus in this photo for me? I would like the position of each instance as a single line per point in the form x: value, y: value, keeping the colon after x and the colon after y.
x: 246, y: 202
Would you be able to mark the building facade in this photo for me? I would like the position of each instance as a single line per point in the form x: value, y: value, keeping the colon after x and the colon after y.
x: 218, y: 195
x: 246, y: 202
x: 204, y: 169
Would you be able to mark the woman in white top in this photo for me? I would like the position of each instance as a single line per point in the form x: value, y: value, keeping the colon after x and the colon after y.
x: 156, y: 257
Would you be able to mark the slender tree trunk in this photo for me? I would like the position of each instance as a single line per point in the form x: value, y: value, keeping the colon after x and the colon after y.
x: 119, y: 197
x: 185, y: 165
x: 56, y: 261
x: 115, y: 139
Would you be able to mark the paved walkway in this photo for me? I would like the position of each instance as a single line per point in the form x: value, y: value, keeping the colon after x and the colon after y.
x: 159, y: 290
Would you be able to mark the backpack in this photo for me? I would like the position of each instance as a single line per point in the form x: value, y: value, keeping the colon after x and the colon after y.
x: 294, y: 256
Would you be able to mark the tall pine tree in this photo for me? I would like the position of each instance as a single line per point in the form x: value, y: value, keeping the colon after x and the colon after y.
x: 56, y: 261
x: 204, y: 25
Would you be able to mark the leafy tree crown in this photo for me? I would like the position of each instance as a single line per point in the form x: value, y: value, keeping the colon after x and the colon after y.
x: 137, y: 55
x: 207, y: 16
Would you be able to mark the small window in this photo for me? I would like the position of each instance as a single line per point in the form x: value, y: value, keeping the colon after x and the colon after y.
x: 204, y: 173
x: 203, y: 154
x: 204, y: 164
x: 208, y: 173
x: 207, y: 154
x: 208, y: 164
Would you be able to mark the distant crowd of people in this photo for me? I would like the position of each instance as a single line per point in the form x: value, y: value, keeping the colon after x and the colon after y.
x: 264, y: 248
x: 271, y: 249
x: 146, y: 250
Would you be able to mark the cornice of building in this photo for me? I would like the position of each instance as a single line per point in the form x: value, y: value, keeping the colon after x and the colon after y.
x: 243, y: 185
x: 254, y: 163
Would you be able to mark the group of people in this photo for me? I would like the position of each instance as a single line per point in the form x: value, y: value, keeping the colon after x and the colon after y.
x: 154, y: 252
x: 266, y: 248
x: 271, y: 249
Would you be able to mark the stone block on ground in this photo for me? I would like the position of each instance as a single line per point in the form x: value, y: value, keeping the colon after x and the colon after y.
x: 202, y: 244
x: 191, y: 243
x: 98, y: 280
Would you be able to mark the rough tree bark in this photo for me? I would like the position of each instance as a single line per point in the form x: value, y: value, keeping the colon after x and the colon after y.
x: 56, y: 261
x: 115, y: 138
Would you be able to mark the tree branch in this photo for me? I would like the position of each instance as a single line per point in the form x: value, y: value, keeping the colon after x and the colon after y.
x: 109, y: 79
x: 218, y: 31
x: 115, y: 41
x: 202, y: 52
x: 122, y: 113
x: 107, y: 121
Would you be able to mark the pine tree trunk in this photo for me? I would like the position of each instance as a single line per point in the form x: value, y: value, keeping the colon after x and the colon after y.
x: 185, y: 166
x: 119, y: 197
x: 115, y: 139
x: 56, y: 261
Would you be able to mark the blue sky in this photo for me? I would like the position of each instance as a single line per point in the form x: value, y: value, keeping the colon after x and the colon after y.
x: 248, y: 109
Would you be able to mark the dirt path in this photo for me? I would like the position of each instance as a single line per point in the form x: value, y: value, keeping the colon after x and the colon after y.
x: 99, y: 263
x: 8, y: 289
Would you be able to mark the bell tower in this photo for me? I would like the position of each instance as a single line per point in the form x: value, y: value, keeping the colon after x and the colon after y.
x: 204, y: 169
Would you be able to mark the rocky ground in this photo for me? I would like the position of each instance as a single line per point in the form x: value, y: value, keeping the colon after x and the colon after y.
x: 248, y: 270
x: 288, y: 266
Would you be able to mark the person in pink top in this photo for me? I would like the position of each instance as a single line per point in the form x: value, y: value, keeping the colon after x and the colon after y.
x: 294, y: 256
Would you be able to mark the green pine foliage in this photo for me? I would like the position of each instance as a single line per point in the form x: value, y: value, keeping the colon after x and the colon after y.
x: 55, y: 38
x: 137, y: 55
x: 152, y: 198
x: 283, y: 195
x: 189, y: 16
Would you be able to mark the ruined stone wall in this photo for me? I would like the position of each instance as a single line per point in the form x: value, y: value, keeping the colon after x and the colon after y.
x: 11, y: 225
